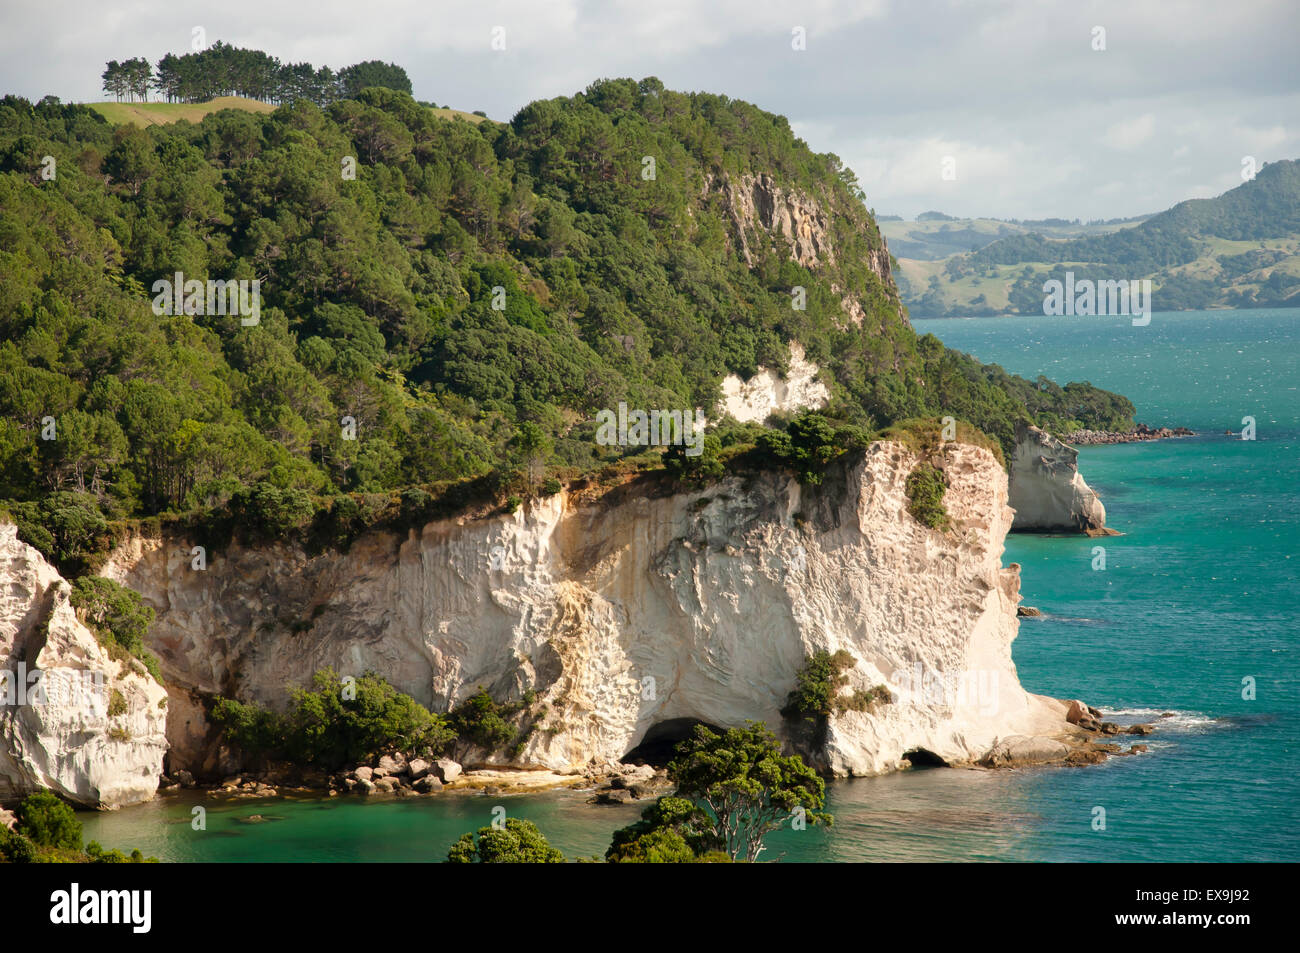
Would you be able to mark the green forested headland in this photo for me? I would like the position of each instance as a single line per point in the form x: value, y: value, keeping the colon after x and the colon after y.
x: 468, y: 300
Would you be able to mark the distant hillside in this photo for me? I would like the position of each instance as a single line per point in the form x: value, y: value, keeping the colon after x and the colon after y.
x: 1238, y: 250
x: 934, y: 236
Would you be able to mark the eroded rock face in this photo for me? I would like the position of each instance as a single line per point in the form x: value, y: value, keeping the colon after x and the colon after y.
x: 758, y: 202
x: 638, y: 608
x: 1047, y: 491
x: 63, y: 736
x: 767, y: 392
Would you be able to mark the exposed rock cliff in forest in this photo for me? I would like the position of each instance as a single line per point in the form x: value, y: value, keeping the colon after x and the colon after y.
x: 760, y: 208
x: 769, y: 391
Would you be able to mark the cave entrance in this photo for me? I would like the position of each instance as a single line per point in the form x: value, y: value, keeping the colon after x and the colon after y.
x: 656, y: 748
x: 921, y: 758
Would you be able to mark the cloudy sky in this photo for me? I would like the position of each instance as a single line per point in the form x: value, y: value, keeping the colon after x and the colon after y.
x: 1037, y: 121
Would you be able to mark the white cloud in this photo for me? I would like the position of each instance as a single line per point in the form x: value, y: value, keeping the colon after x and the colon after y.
x: 1039, y: 123
x: 1130, y: 133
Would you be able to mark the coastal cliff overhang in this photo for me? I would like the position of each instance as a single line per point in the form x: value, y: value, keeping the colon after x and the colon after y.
x: 93, y: 731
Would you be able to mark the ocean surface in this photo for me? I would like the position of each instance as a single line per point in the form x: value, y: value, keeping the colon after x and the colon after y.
x: 1198, y: 600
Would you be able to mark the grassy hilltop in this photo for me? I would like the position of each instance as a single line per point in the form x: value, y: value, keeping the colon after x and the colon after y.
x: 156, y: 114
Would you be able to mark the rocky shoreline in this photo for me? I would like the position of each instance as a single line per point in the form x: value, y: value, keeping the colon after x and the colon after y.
x: 393, y: 775
x: 1089, y: 438
x: 1086, y: 745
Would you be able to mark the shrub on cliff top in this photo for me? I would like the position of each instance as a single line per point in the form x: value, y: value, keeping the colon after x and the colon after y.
x: 270, y: 510
x: 925, y: 437
x: 700, y: 470
x: 69, y: 529
x: 809, y: 443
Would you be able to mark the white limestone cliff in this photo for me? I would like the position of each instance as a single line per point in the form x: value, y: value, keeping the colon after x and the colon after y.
x: 769, y: 392
x: 1047, y: 491
x: 634, y: 609
x: 56, y: 732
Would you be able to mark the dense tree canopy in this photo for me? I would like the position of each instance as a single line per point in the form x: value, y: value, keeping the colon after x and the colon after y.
x: 336, y: 723
x: 743, y: 788
x: 440, y: 301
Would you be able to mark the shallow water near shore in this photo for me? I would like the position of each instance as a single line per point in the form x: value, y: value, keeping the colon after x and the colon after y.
x: 1201, y: 592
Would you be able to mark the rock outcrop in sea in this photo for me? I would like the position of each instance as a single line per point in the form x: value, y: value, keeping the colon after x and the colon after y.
x: 1046, y: 489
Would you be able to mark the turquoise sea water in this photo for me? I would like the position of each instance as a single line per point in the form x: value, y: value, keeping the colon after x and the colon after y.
x: 1201, y: 592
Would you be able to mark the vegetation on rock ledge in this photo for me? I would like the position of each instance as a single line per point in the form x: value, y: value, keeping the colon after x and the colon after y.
x: 926, y: 485
x: 119, y: 619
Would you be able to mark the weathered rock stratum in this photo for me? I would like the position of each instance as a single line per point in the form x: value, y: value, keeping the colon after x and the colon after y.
x: 639, y: 612
x: 758, y: 205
